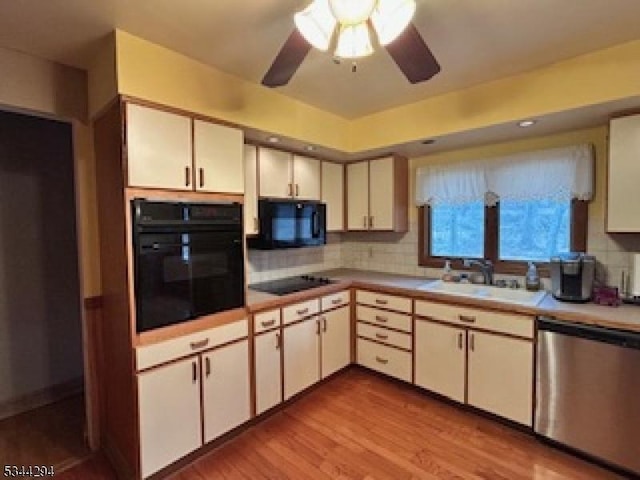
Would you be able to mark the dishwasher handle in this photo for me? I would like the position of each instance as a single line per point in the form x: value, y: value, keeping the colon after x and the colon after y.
x: 622, y: 338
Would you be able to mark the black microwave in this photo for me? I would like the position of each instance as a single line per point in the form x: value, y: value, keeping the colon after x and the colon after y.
x: 290, y: 224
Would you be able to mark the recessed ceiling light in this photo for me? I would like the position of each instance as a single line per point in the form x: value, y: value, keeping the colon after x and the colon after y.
x: 527, y: 123
x: 273, y: 139
x: 429, y: 141
x: 309, y: 148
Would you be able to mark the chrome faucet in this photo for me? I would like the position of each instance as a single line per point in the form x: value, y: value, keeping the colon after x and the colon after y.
x: 486, y: 268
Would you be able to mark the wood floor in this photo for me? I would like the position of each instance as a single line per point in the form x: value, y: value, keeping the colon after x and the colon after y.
x: 362, y: 426
x: 52, y: 435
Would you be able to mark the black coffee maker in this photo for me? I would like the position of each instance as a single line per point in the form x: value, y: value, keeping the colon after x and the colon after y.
x: 572, y: 276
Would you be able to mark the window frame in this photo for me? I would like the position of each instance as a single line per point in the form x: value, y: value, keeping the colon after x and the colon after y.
x: 578, y: 241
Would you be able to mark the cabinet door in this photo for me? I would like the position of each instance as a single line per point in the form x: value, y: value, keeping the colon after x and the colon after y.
x: 158, y: 149
x: 274, y: 176
x: 250, y: 190
x: 268, y: 370
x: 358, y: 196
x: 336, y: 340
x: 440, y: 359
x: 306, y: 178
x: 500, y: 376
x: 381, y: 195
x: 333, y: 195
x: 226, y: 397
x: 301, y: 356
x: 218, y: 155
x: 169, y: 414
x: 623, y: 195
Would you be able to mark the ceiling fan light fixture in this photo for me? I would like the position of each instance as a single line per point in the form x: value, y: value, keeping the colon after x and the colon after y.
x: 316, y: 23
x: 351, y: 12
x: 391, y: 17
x: 354, y: 41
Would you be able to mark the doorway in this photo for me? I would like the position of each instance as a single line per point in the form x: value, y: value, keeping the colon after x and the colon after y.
x: 42, y: 413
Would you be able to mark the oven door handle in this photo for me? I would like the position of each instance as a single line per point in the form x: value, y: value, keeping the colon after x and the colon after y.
x: 162, y: 246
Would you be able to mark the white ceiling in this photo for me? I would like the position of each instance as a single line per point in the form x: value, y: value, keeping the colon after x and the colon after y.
x: 474, y: 40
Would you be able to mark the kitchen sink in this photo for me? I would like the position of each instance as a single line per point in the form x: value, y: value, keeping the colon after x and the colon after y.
x: 506, y: 295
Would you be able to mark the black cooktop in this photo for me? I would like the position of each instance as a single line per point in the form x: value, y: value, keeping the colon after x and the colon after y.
x: 287, y: 285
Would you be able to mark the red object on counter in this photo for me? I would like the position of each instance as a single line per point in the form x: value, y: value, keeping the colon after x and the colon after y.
x: 606, y: 296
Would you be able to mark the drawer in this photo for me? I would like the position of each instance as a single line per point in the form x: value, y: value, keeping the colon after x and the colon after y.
x: 387, y: 360
x: 382, y: 300
x: 499, y: 322
x: 398, y: 321
x: 401, y: 340
x: 162, y: 352
x: 301, y: 310
x: 266, y: 320
x: 334, y: 300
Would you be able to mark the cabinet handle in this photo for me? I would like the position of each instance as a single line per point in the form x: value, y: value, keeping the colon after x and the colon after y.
x: 256, y: 227
x: 187, y: 176
x: 207, y: 366
x: 304, y: 311
x: 364, y: 222
x: 460, y: 341
x: 472, y: 342
x: 297, y: 190
x: 324, y: 324
x: 467, y: 318
x: 336, y: 301
x: 371, y: 222
x: 290, y: 190
x: 381, y: 319
x: 318, y: 327
x: 380, y: 336
x: 201, y: 172
x: 270, y: 323
x: 194, y: 371
x: 381, y: 360
x: 200, y: 344
x: 278, y: 341
x: 381, y: 302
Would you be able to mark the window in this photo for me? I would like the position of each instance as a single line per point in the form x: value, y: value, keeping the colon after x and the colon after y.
x: 457, y: 230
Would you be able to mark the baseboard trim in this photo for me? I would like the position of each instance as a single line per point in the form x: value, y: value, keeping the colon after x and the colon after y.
x: 40, y: 398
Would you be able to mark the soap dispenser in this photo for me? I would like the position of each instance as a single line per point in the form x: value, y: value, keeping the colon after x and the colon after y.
x: 532, y: 280
x: 447, y: 276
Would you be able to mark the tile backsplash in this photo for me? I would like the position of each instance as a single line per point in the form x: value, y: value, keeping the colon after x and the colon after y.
x: 397, y: 253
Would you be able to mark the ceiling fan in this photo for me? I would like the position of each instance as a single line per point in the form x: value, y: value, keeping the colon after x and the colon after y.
x: 347, y: 27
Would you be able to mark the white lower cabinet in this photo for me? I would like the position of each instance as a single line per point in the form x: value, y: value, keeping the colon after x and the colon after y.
x: 335, y: 340
x: 501, y: 376
x: 169, y: 406
x: 301, y: 356
x: 440, y: 352
x: 225, y: 387
x: 268, y: 370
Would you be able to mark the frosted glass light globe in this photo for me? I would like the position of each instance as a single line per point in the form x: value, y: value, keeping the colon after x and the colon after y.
x: 352, y: 12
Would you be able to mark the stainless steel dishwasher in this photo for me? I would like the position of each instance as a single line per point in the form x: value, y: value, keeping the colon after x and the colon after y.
x: 588, y: 390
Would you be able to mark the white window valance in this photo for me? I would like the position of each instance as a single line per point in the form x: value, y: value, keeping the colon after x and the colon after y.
x: 553, y: 174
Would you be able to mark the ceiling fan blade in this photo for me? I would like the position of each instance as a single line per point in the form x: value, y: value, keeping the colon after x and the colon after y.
x: 413, y: 57
x: 287, y: 61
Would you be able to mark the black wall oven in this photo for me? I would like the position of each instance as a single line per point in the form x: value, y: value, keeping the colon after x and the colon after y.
x: 188, y: 260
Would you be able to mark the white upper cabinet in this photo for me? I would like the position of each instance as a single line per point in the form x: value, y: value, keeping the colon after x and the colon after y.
x: 377, y: 195
x: 218, y: 158
x: 358, y: 196
x: 623, y: 197
x: 159, y: 151
x: 274, y: 173
x: 332, y: 194
x: 306, y: 178
x: 250, y: 190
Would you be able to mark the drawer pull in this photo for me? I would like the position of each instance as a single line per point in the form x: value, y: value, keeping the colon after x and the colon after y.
x: 380, y: 336
x: 304, y: 311
x: 200, y: 344
x: 467, y: 318
x: 381, y: 319
x: 336, y: 301
x: 381, y: 302
x: 381, y: 360
x: 269, y: 323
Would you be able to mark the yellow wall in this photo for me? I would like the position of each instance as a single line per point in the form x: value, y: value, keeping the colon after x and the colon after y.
x: 596, y: 136
x: 102, y: 76
x: 31, y: 84
x: 595, y: 78
x: 155, y: 73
